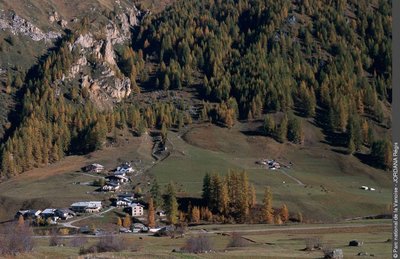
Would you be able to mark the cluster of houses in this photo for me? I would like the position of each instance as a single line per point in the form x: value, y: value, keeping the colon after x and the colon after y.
x: 50, y: 215
x: 128, y: 201
x: 117, y: 177
x: 271, y: 164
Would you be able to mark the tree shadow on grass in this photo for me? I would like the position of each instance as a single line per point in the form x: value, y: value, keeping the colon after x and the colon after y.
x: 369, y: 160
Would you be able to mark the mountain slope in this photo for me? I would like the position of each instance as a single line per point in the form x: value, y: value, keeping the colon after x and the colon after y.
x: 273, y: 60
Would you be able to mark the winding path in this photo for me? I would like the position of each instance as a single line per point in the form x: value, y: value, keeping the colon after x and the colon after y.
x: 292, y: 177
x: 69, y: 223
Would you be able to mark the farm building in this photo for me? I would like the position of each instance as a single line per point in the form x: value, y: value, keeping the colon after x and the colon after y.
x: 94, y: 168
x: 28, y: 214
x: 86, y: 206
x: 48, y: 213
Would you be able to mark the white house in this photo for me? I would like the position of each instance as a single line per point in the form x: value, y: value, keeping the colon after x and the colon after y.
x: 136, y: 209
x: 111, y: 187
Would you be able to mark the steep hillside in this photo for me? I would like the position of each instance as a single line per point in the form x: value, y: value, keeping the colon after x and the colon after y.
x: 29, y: 29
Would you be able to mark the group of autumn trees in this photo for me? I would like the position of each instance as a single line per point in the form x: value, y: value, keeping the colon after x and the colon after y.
x: 229, y: 198
x: 335, y: 67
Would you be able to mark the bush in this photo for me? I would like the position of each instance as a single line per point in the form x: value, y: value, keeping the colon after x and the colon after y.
x: 16, y: 238
x: 54, y: 239
x: 200, y: 244
x: 313, y: 243
x: 78, y: 241
x: 237, y: 240
x: 106, y: 244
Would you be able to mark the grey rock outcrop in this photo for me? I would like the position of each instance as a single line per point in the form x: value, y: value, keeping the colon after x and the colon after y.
x: 19, y: 26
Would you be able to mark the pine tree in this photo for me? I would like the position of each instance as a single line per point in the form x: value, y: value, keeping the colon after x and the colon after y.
x: 267, y: 210
x: 206, y: 195
x: 119, y: 222
x: 21, y: 221
x: 269, y: 125
x: 252, y: 196
x: 295, y: 132
x: 127, y: 221
x: 223, y: 200
x: 284, y: 213
x: 164, y: 131
x: 156, y: 194
x: 167, y: 82
x: 300, y: 217
x: 171, y: 204
x: 277, y: 219
x: 151, y: 214
x: 282, y: 129
x: 195, y: 215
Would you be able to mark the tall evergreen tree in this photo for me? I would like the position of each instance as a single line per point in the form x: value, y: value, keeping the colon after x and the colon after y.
x: 268, y: 212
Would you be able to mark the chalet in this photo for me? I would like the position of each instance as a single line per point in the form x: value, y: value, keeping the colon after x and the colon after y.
x: 121, y: 203
x: 135, y: 209
x: 125, y: 167
x: 94, y: 168
x: 86, y: 206
x: 28, y: 214
x: 123, y: 200
x: 111, y: 187
x: 117, y: 178
x: 64, y: 213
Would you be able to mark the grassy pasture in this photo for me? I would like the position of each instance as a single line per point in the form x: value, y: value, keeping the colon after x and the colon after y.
x: 277, y: 244
x: 331, y: 179
x: 54, y: 184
